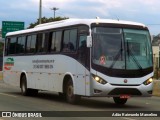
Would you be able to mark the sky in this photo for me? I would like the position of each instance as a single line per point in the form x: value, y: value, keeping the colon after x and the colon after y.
x: 143, y: 11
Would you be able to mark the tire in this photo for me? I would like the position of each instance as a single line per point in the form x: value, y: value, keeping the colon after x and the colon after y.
x: 33, y: 92
x: 120, y: 101
x: 61, y: 95
x: 24, y: 90
x: 70, y: 96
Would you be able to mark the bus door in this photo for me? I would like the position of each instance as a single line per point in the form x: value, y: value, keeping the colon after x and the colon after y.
x: 83, y: 65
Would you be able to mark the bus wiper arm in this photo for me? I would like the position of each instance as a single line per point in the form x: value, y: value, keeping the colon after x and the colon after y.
x: 117, y: 56
x: 134, y: 59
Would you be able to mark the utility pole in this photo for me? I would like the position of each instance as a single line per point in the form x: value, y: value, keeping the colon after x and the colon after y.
x: 54, y: 9
x: 40, y: 11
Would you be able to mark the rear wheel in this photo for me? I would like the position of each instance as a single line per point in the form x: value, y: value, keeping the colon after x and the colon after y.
x: 120, y: 101
x: 24, y: 90
x: 70, y: 96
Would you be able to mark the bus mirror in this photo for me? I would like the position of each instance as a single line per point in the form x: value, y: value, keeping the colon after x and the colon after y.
x: 89, y: 41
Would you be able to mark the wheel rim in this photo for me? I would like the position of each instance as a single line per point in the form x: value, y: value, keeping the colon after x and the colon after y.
x: 70, y: 92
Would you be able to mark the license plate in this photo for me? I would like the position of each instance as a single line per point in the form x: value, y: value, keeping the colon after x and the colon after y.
x: 124, y: 96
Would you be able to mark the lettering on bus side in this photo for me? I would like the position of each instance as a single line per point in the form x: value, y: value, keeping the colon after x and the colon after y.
x: 43, y: 64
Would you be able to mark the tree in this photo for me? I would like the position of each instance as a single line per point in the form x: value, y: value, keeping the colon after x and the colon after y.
x: 156, y: 40
x: 46, y: 20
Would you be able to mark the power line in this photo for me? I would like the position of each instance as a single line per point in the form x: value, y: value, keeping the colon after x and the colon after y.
x: 61, y: 14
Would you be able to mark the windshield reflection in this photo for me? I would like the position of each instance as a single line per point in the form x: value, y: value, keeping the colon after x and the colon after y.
x: 121, y: 48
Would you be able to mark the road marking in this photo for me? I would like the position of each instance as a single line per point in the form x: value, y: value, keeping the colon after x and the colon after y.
x: 127, y: 118
x: 7, y: 95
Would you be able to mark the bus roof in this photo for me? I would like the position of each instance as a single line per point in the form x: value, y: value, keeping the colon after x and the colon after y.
x: 69, y: 22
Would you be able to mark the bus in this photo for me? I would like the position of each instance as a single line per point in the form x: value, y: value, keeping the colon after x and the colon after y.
x: 81, y: 57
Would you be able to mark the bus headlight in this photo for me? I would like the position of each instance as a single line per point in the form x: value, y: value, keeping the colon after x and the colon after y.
x: 147, y: 82
x: 99, y: 79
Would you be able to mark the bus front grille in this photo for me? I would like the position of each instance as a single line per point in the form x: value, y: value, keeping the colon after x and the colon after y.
x: 128, y: 91
x: 126, y: 84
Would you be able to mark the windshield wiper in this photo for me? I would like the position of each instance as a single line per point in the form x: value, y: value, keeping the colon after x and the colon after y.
x: 129, y: 51
x: 117, y: 56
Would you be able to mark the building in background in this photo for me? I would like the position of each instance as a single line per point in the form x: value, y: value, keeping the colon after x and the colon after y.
x: 156, y: 55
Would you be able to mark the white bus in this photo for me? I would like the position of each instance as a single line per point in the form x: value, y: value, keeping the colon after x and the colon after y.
x: 81, y: 57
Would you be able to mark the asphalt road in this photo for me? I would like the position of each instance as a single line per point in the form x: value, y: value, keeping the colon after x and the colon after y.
x: 12, y: 100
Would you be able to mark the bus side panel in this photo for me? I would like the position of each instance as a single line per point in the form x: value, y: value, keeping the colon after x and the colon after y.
x: 46, y: 72
x: 10, y: 77
x: 65, y: 65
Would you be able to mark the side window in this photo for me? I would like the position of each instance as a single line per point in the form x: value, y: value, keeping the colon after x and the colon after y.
x: 82, y: 42
x: 28, y: 47
x: 31, y: 44
x: 82, y: 49
x: 66, y: 41
x: 12, y: 45
x: 53, y: 42
x: 7, y: 45
x: 56, y: 41
x: 23, y: 44
x: 40, y: 42
x: 73, y: 38
x: 20, y: 48
x: 46, y: 42
x: 69, y: 40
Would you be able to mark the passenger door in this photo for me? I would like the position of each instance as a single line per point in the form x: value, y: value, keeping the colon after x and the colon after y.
x: 82, y: 65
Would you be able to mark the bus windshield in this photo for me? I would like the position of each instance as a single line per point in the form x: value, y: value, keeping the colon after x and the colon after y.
x: 119, y: 48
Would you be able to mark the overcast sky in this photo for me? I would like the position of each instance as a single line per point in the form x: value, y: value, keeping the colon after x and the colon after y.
x: 144, y: 11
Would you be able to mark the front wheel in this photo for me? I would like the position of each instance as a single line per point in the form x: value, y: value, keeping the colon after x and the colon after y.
x: 70, y: 96
x: 120, y: 101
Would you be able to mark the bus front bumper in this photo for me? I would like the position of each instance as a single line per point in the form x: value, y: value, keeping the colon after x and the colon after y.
x: 110, y: 90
